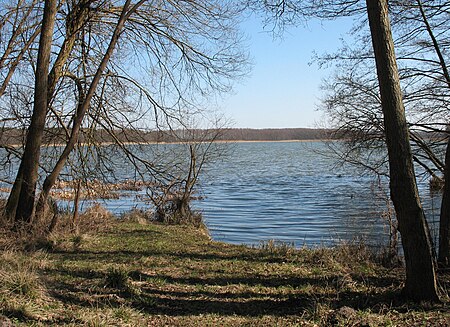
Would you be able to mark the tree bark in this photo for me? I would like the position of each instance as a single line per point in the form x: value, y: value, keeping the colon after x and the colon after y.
x: 30, y: 160
x: 75, y: 20
x: 13, y: 198
x: 420, y: 269
x: 444, y: 221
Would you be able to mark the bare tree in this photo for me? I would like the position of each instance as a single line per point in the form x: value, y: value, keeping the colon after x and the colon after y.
x: 420, y: 272
x: 444, y: 222
x: 76, y: 18
x: 172, y: 199
x: 172, y: 57
x: 84, y: 104
x: 353, y: 106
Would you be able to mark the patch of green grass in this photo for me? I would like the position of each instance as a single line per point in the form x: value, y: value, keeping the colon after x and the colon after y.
x: 137, y: 275
x: 117, y: 277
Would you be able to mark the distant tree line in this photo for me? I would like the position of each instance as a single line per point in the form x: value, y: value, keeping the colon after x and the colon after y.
x: 11, y: 136
x: 269, y: 134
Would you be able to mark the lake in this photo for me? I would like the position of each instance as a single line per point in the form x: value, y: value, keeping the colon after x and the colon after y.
x: 289, y: 192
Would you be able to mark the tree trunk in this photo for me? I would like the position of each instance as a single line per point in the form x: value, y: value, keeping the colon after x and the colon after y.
x: 13, y: 198
x: 444, y: 222
x: 83, y: 106
x: 420, y: 273
x: 30, y: 160
x: 77, y: 18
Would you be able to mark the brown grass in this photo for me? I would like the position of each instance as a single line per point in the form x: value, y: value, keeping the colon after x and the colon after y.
x: 129, y: 274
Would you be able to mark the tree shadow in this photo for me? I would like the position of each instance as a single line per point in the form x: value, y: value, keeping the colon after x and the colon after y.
x: 108, y: 254
x: 251, y: 296
x: 244, y: 293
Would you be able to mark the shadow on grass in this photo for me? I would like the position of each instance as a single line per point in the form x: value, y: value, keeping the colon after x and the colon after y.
x: 245, y: 293
x: 224, y: 307
x: 108, y: 254
x: 175, y: 303
x: 166, y: 295
x: 254, y: 280
x: 134, y: 233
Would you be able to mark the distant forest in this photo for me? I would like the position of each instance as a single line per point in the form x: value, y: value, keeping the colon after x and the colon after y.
x: 52, y: 136
x: 279, y: 134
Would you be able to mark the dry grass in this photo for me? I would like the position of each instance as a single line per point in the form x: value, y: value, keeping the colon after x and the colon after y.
x: 22, y: 292
x: 131, y: 272
x: 156, y: 275
x: 66, y: 234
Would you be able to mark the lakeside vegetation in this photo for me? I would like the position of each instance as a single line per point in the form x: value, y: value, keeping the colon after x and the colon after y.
x: 133, y: 272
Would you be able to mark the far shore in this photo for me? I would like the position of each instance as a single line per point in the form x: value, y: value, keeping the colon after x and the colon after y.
x: 179, y: 142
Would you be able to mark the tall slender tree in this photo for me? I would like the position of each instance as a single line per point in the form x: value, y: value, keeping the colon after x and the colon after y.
x: 420, y: 273
x: 30, y: 160
x: 353, y: 106
x: 444, y: 222
x: 84, y: 104
x: 79, y: 14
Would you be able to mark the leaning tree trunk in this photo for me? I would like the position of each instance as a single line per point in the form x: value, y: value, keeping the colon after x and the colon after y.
x: 13, y: 198
x: 420, y: 273
x: 444, y: 221
x: 83, y: 106
x: 50, y: 180
x: 30, y: 160
x: 75, y: 21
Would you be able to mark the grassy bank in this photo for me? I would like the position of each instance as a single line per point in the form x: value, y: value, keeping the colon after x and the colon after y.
x: 133, y: 274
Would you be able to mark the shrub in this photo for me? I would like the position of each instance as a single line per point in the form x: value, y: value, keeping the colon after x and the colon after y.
x: 95, y: 218
x: 118, y: 278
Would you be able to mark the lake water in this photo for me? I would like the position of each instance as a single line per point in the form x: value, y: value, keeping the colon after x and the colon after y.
x: 287, y: 191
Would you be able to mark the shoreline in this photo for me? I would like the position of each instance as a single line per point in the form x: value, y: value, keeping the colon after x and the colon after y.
x: 187, y: 142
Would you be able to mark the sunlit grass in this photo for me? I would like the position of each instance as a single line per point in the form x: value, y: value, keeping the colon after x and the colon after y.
x: 154, y: 275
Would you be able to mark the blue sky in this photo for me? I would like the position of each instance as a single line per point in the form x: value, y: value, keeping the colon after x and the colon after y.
x: 283, y: 88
